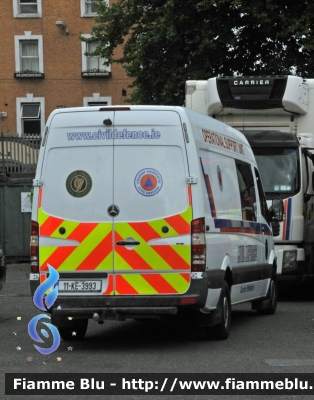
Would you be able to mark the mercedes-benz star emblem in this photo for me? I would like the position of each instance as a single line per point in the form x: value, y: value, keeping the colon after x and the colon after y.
x: 113, y: 210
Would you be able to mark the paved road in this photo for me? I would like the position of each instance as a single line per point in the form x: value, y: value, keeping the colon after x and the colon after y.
x: 266, y: 344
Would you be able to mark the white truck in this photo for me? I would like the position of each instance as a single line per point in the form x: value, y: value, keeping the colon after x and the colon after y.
x: 275, y: 114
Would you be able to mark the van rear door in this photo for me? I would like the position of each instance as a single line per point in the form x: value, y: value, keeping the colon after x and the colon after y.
x: 151, y: 244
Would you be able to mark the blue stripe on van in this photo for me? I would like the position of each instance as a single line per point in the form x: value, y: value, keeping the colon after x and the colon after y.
x: 232, y: 226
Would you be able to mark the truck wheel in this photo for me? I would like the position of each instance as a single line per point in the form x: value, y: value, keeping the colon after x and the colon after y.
x: 271, y: 297
x: 74, y: 332
x: 221, y: 331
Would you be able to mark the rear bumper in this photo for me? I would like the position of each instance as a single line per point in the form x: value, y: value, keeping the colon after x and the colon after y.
x: 123, y: 307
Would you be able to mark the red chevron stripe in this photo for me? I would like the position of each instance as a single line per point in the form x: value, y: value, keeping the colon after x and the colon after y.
x: 159, y: 284
x: 100, y: 252
x: 187, y: 277
x: 189, y: 195
x: 49, y: 226
x: 123, y: 287
x: 178, y: 224
x: 145, y: 230
x: 40, y: 197
x: 134, y: 260
x: 82, y: 231
x: 171, y: 257
x: 58, y: 257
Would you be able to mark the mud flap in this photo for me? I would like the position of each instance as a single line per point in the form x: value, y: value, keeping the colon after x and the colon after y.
x: 213, y: 318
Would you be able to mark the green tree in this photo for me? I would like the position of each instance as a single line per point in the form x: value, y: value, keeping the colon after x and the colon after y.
x: 166, y: 42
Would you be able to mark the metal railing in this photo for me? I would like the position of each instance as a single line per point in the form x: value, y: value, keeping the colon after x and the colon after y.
x: 18, y: 154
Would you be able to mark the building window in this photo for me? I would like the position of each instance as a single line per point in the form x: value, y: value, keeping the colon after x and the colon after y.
x: 89, y: 9
x: 92, y: 66
x: 29, y: 56
x: 27, y: 8
x: 30, y: 115
x: 30, y: 119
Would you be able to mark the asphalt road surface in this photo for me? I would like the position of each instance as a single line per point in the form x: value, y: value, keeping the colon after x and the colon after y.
x: 282, y: 343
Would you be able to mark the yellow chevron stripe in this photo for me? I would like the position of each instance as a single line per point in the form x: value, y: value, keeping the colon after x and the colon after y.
x: 106, y: 264
x: 120, y: 264
x: 183, y: 251
x: 42, y: 217
x: 139, y: 284
x: 145, y: 251
x: 45, y: 252
x: 157, y: 226
x: 187, y: 215
x: 177, y: 282
x: 86, y: 247
x: 69, y: 228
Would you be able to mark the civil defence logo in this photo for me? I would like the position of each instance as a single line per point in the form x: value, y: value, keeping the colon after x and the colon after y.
x: 148, y: 182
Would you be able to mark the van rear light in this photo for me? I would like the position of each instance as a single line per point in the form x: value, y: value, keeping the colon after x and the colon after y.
x: 34, y: 245
x: 198, y: 245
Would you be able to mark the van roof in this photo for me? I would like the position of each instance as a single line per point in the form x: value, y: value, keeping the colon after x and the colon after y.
x: 198, y: 118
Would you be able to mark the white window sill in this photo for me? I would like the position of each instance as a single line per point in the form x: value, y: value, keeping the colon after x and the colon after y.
x: 28, y: 16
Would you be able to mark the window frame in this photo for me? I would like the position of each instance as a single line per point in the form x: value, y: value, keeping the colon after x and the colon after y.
x: 248, y: 195
x: 85, y: 74
x: 18, y: 39
x: 85, y: 14
x: 29, y: 99
x: 18, y: 14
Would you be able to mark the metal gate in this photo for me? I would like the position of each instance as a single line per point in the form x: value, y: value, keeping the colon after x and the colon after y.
x: 18, y: 161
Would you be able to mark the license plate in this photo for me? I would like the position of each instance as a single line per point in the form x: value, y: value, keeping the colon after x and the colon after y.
x: 79, y: 286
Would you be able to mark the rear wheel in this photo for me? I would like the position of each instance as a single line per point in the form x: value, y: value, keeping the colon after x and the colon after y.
x: 221, y: 331
x: 76, y: 331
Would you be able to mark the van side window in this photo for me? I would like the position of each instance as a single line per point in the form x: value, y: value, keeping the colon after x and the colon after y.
x: 220, y: 183
x: 264, y: 208
x: 247, y: 190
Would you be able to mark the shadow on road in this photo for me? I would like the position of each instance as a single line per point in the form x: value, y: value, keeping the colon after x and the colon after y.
x: 301, y: 292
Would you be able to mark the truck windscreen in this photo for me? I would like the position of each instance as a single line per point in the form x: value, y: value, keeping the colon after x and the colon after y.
x: 279, y: 169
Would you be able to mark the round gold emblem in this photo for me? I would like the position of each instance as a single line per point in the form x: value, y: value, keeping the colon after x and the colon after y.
x: 79, y: 183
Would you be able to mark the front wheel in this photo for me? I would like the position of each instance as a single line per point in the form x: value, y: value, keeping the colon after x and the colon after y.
x: 271, y: 297
x: 222, y: 329
x: 76, y: 331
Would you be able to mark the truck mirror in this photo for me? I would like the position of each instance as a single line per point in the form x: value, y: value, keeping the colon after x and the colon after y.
x: 276, y: 210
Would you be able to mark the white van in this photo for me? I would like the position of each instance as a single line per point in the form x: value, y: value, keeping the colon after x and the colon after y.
x: 146, y: 212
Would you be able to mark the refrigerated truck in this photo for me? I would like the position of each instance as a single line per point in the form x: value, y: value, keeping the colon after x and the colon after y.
x: 275, y: 114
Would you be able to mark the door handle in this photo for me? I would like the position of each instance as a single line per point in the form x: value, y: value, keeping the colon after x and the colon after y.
x: 127, y: 243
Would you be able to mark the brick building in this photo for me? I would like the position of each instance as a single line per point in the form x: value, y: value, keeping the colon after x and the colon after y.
x: 43, y: 66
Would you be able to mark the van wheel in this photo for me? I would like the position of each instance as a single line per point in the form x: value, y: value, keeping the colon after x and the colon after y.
x: 271, y: 297
x: 221, y: 331
x: 74, y: 332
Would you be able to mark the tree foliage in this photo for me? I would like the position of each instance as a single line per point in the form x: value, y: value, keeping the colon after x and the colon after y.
x: 166, y: 42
